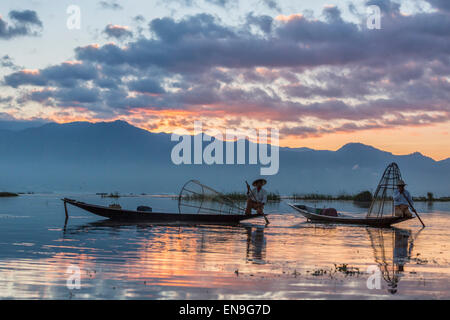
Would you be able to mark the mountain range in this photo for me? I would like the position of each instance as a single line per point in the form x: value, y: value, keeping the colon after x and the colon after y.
x: 116, y: 156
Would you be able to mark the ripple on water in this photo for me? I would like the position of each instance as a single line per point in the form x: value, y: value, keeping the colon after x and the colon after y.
x: 287, y: 259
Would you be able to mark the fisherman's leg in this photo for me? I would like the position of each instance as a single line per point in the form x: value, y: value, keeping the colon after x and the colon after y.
x: 407, y: 213
x: 260, y: 209
x: 398, y: 211
x: 250, y: 206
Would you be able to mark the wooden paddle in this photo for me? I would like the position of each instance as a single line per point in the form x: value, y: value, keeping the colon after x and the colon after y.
x: 254, y: 198
x: 413, y: 209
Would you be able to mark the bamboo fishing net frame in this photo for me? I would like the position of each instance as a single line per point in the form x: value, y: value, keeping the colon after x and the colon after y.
x: 379, y: 246
x: 383, y: 200
x: 198, y: 198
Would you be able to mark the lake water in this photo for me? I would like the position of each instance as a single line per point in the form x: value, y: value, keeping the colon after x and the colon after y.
x: 288, y: 259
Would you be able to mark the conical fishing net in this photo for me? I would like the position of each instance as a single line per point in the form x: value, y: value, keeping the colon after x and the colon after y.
x: 382, y: 242
x: 383, y: 201
x: 196, y: 198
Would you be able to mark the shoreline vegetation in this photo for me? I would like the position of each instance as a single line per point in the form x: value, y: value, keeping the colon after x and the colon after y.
x: 365, y: 196
x: 234, y: 196
x: 362, y: 197
x: 8, y: 194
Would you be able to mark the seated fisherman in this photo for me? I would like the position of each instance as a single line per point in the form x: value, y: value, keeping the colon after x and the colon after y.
x: 401, y: 204
x: 257, y: 197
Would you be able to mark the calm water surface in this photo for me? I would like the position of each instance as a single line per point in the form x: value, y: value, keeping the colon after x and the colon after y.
x: 289, y: 259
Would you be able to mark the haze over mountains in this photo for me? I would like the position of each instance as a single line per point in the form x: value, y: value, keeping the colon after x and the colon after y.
x: 116, y: 156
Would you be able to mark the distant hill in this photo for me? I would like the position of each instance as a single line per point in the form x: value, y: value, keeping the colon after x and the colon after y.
x: 116, y: 156
x: 17, y: 125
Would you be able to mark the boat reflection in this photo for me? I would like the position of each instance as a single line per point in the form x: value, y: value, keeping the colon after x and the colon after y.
x: 208, y: 237
x: 392, y: 249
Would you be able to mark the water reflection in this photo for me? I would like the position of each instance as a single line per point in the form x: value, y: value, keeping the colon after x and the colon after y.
x: 392, y: 250
x: 256, y: 245
x: 192, y: 261
x: 209, y: 238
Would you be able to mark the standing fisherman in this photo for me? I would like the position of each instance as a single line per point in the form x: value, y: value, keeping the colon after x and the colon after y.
x: 257, y: 197
x: 402, y: 200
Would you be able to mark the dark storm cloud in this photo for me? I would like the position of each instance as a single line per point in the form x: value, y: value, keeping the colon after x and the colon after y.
x: 25, y: 23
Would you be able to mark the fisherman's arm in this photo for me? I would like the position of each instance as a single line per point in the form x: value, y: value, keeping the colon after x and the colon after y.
x: 397, y: 196
x: 410, y: 198
x: 264, y: 199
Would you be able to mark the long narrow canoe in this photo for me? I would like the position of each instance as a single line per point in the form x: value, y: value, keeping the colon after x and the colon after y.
x: 132, y: 216
x: 312, y: 215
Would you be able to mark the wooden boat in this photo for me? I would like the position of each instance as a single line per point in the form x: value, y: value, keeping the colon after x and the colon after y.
x: 382, y: 209
x: 314, y: 215
x: 144, y: 216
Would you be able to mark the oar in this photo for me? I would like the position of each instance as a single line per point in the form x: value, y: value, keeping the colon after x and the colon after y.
x: 413, y: 209
x: 254, y: 198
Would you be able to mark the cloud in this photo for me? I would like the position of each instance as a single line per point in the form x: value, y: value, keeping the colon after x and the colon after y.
x: 443, y: 5
x: 7, y: 62
x: 145, y: 86
x: 264, y: 22
x: 139, y: 18
x: 387, y: 6
x: 117, y: 32
x: 7, y: 99
x: 26, y: 17
x: 66, y: 74
x: 220, y: 3
x: 110, y: 5
x: 272, y: 4
x: 309, y: 76
x: 25, y: 23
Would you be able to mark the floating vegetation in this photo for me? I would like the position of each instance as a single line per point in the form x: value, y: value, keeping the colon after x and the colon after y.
x: 318, y: 196
x: 431, y: 198
x: 110, y: 195
x: 8, y: 194
x: 345, y: 269
x: 418, y: 260
x: 341, y: 268
x: 319, y: 272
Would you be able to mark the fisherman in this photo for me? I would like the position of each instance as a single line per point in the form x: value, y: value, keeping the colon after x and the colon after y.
x: 257, y: 197
x: 402, y: 200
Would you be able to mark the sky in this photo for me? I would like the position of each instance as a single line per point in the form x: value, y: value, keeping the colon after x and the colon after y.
x: 311, y: 69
